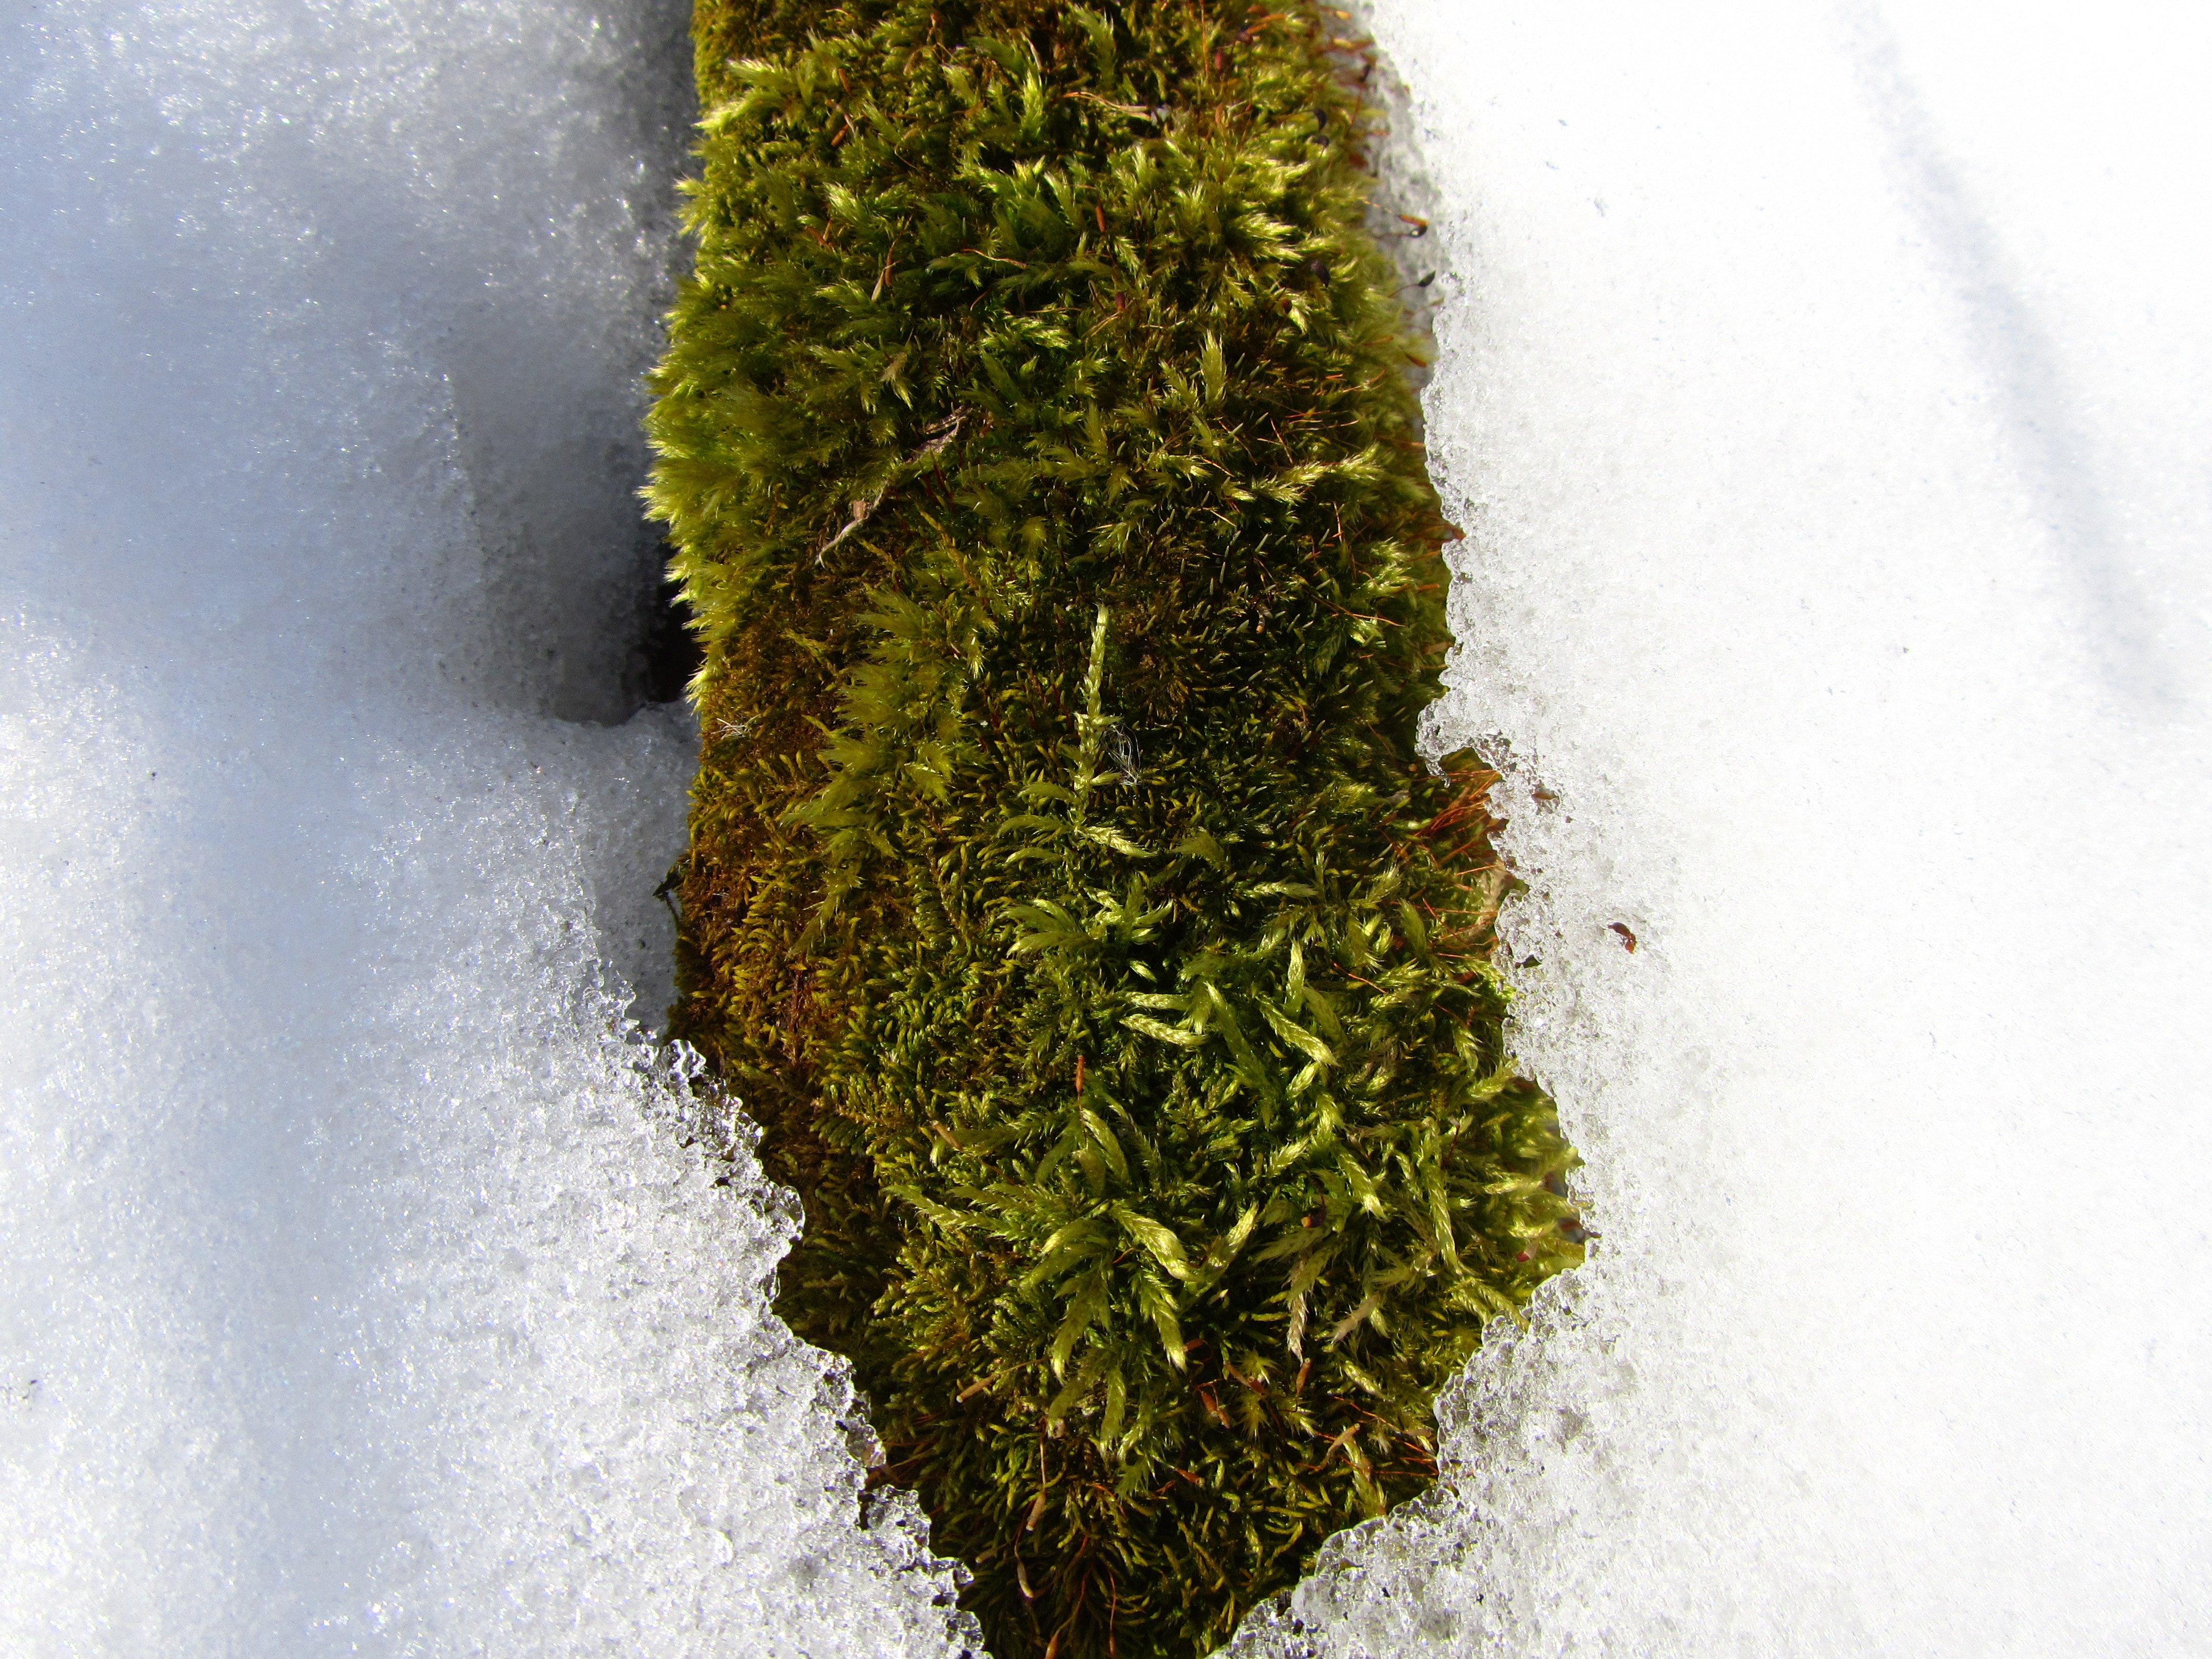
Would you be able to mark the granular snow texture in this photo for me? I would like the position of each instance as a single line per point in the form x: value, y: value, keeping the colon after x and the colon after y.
x: 1823, y: 393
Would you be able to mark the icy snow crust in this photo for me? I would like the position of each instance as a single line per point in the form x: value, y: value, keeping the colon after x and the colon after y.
x: 1825, y: 397
x: 369, y: 1288
x: 1825, y: 394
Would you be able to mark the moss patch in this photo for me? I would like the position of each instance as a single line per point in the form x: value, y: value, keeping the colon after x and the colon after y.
x: 1065, y: 894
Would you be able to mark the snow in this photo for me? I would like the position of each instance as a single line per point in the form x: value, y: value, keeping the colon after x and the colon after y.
x: 1822, y: 390
x: 370, y: 1287
x: 1824, y: 395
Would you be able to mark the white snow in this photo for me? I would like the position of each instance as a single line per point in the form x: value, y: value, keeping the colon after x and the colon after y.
x: 1824, y: 392
x: 366, y: 1287
x: 1824, y: 395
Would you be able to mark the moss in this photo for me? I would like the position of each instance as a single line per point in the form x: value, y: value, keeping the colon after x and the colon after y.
x: 1065, y: 893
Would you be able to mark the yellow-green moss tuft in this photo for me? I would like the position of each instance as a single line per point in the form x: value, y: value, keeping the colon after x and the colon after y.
x: 1065, y: 895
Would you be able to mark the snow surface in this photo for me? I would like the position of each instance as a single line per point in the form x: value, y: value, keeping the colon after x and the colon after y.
x: 1824, y: 392
x: 366, y: 1288
x: 1825, y: 396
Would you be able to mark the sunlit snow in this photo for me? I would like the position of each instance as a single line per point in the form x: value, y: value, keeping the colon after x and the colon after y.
x: 1825, y: 396
x: 1824, y: 391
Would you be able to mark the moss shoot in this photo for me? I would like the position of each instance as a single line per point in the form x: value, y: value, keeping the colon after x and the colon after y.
x: 1066, y: 895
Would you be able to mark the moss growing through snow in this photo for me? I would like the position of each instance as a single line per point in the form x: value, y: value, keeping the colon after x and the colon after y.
x: 1065, y: 894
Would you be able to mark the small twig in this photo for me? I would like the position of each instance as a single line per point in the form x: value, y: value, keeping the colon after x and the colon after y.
x: 860, y: 511
x: 940, y: 435
x: 1156, y: 114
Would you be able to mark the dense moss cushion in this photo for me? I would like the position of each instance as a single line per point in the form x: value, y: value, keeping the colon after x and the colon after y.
x: 1065, y: 894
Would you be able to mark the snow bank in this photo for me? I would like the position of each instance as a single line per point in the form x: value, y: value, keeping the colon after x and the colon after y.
x: 1823, y: 396
x: 367, y: 1287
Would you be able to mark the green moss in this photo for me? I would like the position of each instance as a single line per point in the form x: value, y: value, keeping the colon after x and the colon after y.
x: 1065, y: 895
